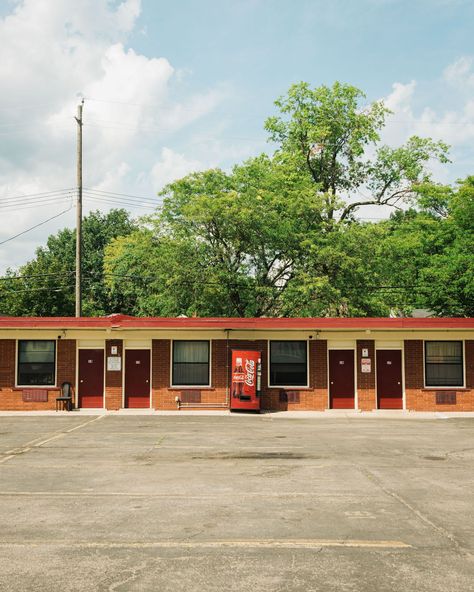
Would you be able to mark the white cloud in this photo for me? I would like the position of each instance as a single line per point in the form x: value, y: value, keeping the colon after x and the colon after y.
x: 460, y: 72
x: 400, y: 98
x: 53, y: 52
x: 127, y: 14
x: 455, y: 126
x: 172, y: 166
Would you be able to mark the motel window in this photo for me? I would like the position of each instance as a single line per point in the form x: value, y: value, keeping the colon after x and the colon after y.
x: 288, y: 363
x: 190, y: 363
x: 444, y: 363
x: 36, y: 363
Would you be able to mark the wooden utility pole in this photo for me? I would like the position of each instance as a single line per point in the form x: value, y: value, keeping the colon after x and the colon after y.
x: 79, y: 212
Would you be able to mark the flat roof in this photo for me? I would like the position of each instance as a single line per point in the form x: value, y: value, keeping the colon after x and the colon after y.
x: 119, y: 321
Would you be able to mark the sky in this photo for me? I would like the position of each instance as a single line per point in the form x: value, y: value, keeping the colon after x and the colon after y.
x: 175, y: 87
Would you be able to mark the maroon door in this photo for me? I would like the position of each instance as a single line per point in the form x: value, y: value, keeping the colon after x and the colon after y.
x: 91, y: 378
x: 341, y: 379
x: 137, y: 378
x: 389, y: 379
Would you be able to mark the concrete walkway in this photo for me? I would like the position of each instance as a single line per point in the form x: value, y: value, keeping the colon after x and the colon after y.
x: 329, y: 413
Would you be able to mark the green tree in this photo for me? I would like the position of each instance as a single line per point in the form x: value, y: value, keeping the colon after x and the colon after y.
x: 428, y: 252
x: 328, y: 134
x: 277, y: 235
x: 45, y: 285
x: 225, y: 244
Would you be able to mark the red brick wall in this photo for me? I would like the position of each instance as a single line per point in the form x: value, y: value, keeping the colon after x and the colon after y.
x: 366, y: 380
x: 162, y: 397
x: 314, y: 397
x: 7, y: 363
x: 419, y: 398
x: 413, y: 364
x: 469, y: 352
x: 11, y: 398
x: 162, y: 392
x: 113, y: 378
x: 67, y: 363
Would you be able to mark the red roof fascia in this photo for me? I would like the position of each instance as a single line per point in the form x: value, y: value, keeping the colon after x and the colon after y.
x: 309, y: 324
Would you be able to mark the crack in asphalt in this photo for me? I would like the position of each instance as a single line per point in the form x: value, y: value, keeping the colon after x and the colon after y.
x: 439, y: 529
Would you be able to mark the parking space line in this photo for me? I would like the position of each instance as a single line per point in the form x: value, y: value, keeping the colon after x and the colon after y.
x: 260, y: 543
x: 173, y: 495
x: 35, y: 444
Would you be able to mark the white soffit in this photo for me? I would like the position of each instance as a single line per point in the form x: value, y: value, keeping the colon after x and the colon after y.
x: 91, y: 343
x: 338, y: 344
x: 137, y: 343
x: 388, y: 344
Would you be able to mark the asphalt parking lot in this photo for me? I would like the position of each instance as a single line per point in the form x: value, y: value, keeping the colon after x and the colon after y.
x: 246, y: 502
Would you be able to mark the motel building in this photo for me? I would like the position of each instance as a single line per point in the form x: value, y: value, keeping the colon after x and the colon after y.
x: 121, y: 362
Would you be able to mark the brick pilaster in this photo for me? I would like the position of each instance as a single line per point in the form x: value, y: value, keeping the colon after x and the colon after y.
x: 366, y: 380
x: 469, y: 352
x: 67, y: 364
x: 162, y: 397
x: 113, y: 378
x: 7, y: 363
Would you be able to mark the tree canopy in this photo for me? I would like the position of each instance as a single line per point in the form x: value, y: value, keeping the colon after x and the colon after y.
x: 329, y: 134
x: 278, y: 235
x: 45, y: 285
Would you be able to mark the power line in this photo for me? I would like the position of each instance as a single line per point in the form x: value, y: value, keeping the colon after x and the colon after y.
x: 116, y: 193
x: 212, y: 283
x: 257, y: 287
x: 43, y: 193
x: 118, y: 202
x: 40, y: 288
x: 35, y: 203
x: 34, y: 200
x: 119, y: 198
x: 35, y: 226
x: 35, y: 276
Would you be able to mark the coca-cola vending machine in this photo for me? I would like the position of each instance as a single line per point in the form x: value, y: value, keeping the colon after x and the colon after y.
x: 246, y: 380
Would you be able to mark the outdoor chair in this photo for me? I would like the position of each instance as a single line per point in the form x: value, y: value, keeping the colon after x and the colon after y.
x: 65, y: 398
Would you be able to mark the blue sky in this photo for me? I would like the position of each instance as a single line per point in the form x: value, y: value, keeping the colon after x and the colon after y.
x: 255, y: 49
x: 182, y: 86
x: 260, y: 47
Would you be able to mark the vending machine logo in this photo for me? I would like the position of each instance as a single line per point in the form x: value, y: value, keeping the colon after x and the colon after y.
x: 249, y: 372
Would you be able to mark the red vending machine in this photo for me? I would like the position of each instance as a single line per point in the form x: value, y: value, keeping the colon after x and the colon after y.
x: 246, y: 380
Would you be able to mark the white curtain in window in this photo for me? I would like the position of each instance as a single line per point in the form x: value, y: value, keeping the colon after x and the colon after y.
x: 36, y: 351
x: 444, y: 363
x: 191, y: 363
x: 443, y: 351
x: 191, y: 351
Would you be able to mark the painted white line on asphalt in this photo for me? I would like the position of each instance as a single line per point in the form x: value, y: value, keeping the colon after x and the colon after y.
x: 41, y: 442
x: 218, y: 494
x: 35, y: 444
x: 281, y: 448
x: 261, y: 544
x: 64, y: 432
